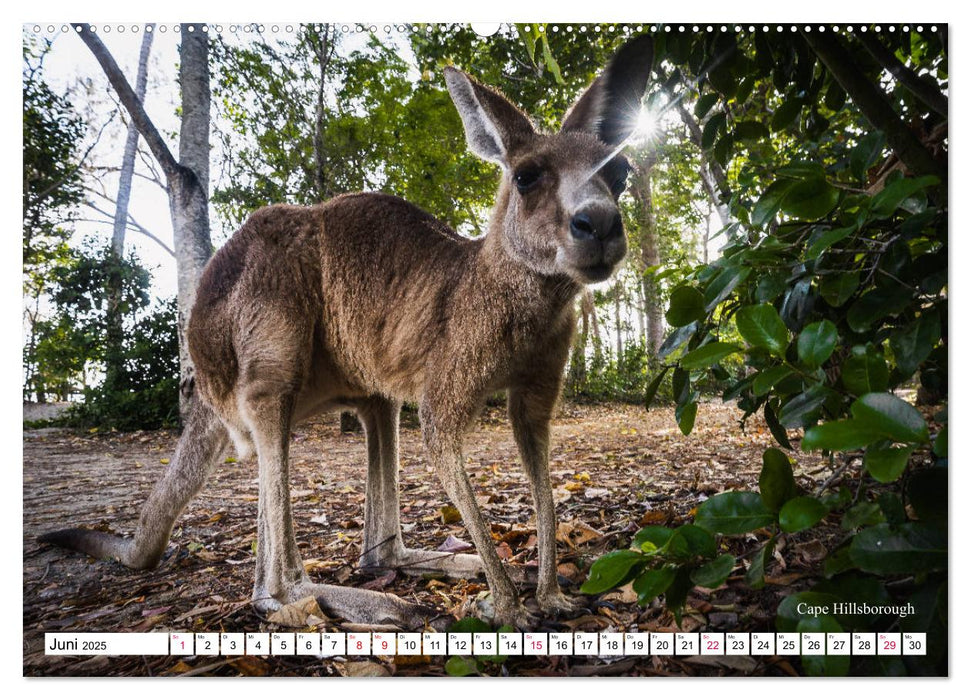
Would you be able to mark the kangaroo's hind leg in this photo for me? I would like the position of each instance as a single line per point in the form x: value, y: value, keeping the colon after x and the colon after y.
x: 266, y: 406
x: 383, y: 547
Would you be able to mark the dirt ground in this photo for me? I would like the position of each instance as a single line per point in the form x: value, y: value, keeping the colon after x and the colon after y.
x: 614, y: 468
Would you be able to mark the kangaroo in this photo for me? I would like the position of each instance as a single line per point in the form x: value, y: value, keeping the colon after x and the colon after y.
x: 366, y: 301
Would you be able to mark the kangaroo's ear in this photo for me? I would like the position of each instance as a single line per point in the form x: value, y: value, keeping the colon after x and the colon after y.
x: 493, y: 125
x: 609, y: 107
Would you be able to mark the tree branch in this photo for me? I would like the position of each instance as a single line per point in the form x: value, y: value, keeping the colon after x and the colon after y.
x: 136, y: 110
x: 925, y: 92
x: 874, y: 105
x: 131, y: 224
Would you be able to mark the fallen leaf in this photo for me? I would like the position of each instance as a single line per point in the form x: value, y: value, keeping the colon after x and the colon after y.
x: 365, y: 669
x: 180, y: 667
x: 296, y: 614
x: 250, y: 666
x: 453, y: 544
x: 450, y: 514
x: 504, y: 550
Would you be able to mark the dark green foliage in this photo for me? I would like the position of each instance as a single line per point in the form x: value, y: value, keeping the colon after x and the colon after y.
x: 71, y: 347
x: 839, y: 292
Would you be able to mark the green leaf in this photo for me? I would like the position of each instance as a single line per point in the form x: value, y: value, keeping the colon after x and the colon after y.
x: 470, y: 624
x: 691, y: 541
x: 838, y: 289
x: 840, y: 436
x: 708, y: 355
x: 676, y: 339
x: 864, y: 372
x: 940, y: 443
x: 657, y: 535
x: 768, y: 378
x: 826, y: 240
x: 771, y: 286
x: 912, y: 345
x: 611, y: 570
x: 893, y: 195
x: 652, y: 583
x: 823, y: 665
x: 750, y: 131
x: 802, y: 170
x: 835, y: 97
x: 755, y: 575
x: 734, y: 513
x: 864, y: 513
x: 761, y: 326
x: 724, y: 284
x: 816, y: 343
x: 526, y: 36
x: 722, y: 150
x: 910, y: 548
x: 893, y: 509
x: 890, y: 416
x: 705, y: 103
x: 551, y: 65
x: 687, y: 305
x: 786, y: 113
x: 788, y: 615
x: 685, y: 415
x: 677, y: 593
x: 875, y: 305
x: 460, y: 666
x: 803, y: 409
x: 810, y: 199
x: 866, y: 152
x: 714, y: 573
x: 886, y: 464
x: 653, y: 387
x: 769, y: 203
x: 801, y: 513
x: 775, y: 427
x: 776, y: 482
x: 710, y: 132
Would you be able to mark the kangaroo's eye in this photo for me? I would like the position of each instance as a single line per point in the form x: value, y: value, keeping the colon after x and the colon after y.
x: 527, y: 178
x: 618, y: 186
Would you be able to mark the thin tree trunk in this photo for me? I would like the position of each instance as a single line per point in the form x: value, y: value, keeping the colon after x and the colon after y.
x: 650, y: 252
x: 322, y: 46
x: 187, y: 179
x: 114, y: 340
x: 618, y: 291
x: 189, y: 201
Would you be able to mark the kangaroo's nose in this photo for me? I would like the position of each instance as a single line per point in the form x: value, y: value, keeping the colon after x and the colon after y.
x: 595, y: 224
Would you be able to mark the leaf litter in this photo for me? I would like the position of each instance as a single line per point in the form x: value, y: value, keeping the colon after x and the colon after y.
x: 614, y: 468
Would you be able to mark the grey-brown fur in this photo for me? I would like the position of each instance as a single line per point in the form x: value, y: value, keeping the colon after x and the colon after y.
x: 366, y: 301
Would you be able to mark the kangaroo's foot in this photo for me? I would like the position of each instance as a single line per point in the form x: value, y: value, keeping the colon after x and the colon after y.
x: 554, y: 603
x: 352, y: 604
x: 452, y: 565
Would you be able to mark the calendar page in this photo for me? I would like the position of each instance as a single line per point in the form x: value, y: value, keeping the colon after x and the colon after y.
x: 425, y: 349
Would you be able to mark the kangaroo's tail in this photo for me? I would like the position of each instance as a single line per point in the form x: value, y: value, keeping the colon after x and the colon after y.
x: 200, y: 446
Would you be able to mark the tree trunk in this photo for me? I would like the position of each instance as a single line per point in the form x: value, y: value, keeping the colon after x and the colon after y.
x: 189, y: 198
x: 114, y: 355
x: 578, y: 356
x: 187, y: 179
x: 650, y: 252
x: 618, y: 292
